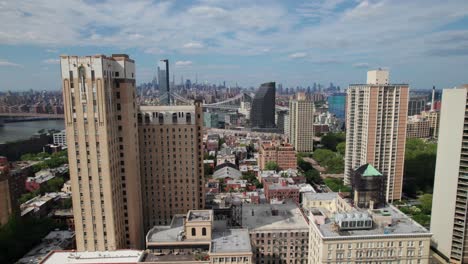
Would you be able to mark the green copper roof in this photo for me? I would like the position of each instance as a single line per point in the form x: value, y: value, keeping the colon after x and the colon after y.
x: 371, y: 171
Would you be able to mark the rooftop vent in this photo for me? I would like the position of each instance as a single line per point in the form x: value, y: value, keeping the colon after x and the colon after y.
x: 354, y: 221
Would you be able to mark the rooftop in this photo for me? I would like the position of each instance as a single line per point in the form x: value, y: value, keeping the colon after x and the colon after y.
x: 167, y: 233
x: 273, y: 217
x: 199, y: 215
x: 390, y: 84
x: 55, y: 240
x: 72, y: 257
x: 231, y: 240
x: 367, y: 170
x: 384, y: 221
x: 171, y: 258
x: 320, y: 196
x: 400, y: 225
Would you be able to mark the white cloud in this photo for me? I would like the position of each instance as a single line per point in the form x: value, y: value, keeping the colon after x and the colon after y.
x: 154, y: 50
x: 193, y: 45
x: 51, y: 61
x: 6, y: 63
x: 361, y: 65
x: 183, y: 63
x: 297, y: 55
x: 351, y: 30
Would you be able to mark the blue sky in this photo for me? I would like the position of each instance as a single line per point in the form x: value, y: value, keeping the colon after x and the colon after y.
x: 421, y: 42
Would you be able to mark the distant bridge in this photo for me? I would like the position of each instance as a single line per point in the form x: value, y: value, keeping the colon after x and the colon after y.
x: 28, y: 114
x: 228, y: 104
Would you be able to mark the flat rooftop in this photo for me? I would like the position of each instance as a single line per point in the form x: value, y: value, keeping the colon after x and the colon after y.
x: 153, y: 258
x: 320, y: 196
x: 273, y: 217
x: 167, y: 233
x: 199, y: 215
x: 55, y: 240
x: 387, y: 221
x: 231, y: 240
x: 72, y: 257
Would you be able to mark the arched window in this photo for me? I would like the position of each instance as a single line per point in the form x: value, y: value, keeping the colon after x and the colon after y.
x: 203, y: 231
x: 161, y: 118
x: 194, y: 232
x: 174, y: 118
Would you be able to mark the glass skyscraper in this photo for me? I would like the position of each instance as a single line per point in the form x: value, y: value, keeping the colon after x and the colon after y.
x: 337, y: 104
x: 262, y: 113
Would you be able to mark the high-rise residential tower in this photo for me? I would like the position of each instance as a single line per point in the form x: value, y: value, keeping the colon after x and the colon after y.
x: 262, y: 113
x: 102, y: 138
x: 449, y: 219
x: 301, y: 123
x: 171, y: 161
x: 376, y: 117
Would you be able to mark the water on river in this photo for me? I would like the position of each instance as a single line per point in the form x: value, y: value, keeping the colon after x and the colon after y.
x: 24, y: 130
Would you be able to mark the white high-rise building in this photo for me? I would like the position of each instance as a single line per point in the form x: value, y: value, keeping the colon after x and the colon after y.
x: 301, y: 123
x: 450, y: 199
x: 376, y: 116
x: 60, y: 138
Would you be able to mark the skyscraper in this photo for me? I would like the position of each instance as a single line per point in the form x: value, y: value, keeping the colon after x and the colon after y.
x: 301, y: 123
x: 171, y: 161
x: 416, y: 104
x: 337, y: 104
x: 262, y: 113
x: 165, y: 89
x: 449, y: 222
x: 102, y: 138
x: 376, y: 117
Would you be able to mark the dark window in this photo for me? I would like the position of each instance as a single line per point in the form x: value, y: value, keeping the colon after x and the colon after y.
x: 194, y: 232
x: 203, y: 231
x: 92, y: 75
x: 117, y: 74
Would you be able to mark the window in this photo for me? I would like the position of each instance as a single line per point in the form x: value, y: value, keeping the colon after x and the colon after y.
x: 204, y: 231
x: 194, y: 232
x: 117, y: 74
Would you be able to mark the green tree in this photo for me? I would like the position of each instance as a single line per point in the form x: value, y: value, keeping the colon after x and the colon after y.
x: 20, y: 235
x: 28, y: 196
x: 332, y: 161
x: 313, y: 176
x: 55, y: 184
x: 341, y: 148
x: 208, y: 170
x: 271, y: 165
x: 426, y: 203
x: 303, y: 165
x: 220, y: 142
x: 336, y: 185
x: 419, y: 169
x: 331, y: 140
x: 207, y: 156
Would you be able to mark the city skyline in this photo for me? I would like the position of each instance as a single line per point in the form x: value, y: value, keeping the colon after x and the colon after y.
x: 295, y: 44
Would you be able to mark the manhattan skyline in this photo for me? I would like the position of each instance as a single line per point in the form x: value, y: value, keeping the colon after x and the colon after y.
x: 247, y: 42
